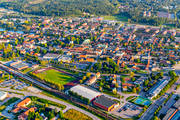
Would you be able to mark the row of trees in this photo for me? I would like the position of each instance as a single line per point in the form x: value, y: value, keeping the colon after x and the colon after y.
x: 50, y: 82
x: 8, y: 52
x: 173, y: 79
x: 108, y: 66
x: 85, y: 100
x: 62, y: 8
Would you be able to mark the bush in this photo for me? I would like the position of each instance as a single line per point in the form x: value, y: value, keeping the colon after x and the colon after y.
x: 34, y: 98
x: 75, y: 115
x: 2, y: 107
x: 130, y: 98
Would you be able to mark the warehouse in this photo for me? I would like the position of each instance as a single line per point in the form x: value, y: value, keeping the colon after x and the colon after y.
x: 173, y: 113
x: 50, y: 56
x: 105, y: 103
x: 85, y: 92
x: 19, y: 65
x: 3, y: 95
x: 65, y: 58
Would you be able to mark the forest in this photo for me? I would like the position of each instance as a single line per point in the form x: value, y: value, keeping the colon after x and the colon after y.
x: 61, y: 7
x: 131, y: 9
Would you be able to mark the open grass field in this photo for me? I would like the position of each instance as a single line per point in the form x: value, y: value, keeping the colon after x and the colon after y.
x: 75, y: 115
x: 55, y: 76
x: 116, y: 17
x: 26, y: 70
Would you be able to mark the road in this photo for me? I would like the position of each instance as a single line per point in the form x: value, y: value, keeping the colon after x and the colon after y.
x: 167, y: 106
x: 68, y: 106
x: 42, y: 96
x: 24, y: 76
x: 150, y: 111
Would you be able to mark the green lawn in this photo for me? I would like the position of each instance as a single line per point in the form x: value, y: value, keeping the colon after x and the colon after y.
x: 116, y: 17
x: 72, y: 114
x: 26, y: 70
x: 55, y: 76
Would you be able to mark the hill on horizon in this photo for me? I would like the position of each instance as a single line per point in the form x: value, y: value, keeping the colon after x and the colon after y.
x: 62, y: 7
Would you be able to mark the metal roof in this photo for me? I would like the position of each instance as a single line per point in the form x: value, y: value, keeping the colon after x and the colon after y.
x: 105, y: 101
x: 85, y: 92
x: 2, y: 93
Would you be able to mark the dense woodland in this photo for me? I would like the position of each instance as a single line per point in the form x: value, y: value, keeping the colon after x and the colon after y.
x: 62, y: 7
x: 131, y: 9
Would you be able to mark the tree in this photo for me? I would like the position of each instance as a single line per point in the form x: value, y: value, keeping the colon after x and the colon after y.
x: 173, y: 62
x: 88, y: 74
x: 60, y: 87
x: 100, y: 88
x: 44, y: 62
x: 75, y: 67
x: 107, y: 59
x: 133, y: 79
x: 116, y: 85
x: 61, y: 115
x: 155, y: 118
x: 172, y: 74
x: 81, y: 81
x: 161, y: 74
x: 132, y: 74
x: 84, y: 78
x: 114, y: 91
x: 123, y: 80
x: 146, y: 82
x: 134, y: 90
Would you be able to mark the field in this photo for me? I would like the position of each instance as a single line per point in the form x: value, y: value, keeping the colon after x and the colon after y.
x: 75, y: 115
x: 53, y: 75
x: 116, y: 17
x: 26, y: 70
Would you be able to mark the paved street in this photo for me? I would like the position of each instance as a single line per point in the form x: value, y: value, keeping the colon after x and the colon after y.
x: 23, y: 76
x: 68, y: 106
x: 169, y: 103
x: 150, y: 111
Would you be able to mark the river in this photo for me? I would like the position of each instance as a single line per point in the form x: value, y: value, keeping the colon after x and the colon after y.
x: 20, y: 32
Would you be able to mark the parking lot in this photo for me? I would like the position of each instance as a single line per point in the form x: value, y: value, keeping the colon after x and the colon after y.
x: 128, y: 110
x: 14, y: 84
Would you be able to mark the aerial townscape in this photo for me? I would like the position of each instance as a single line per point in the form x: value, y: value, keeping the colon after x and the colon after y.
x: 89, y: 60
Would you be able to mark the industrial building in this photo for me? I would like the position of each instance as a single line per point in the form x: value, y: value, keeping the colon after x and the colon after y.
x: 65, y: 58
x: 50, y: 56
x: 19, y: 65
x: 174, y: 112
x: 85, y: 92
x: 105, y: 103
x: 157, y: 88
x: 140, y: 80
x: 3, y: 95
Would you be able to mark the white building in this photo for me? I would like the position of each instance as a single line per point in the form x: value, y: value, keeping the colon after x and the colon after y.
x: 153, y: 92
x: 65, y: 58
x: 3, y: 95
x: 85, y: 92
x: 50, y: 56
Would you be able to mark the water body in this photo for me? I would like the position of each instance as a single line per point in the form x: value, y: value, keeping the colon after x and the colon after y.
x: 2, y: 29
x: 20, y: 32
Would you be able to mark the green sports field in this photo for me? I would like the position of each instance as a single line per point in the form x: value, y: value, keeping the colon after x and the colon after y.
x: 55, y: 76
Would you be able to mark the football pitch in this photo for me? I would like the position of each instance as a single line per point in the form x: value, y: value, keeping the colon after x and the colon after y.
x: 55, y: 76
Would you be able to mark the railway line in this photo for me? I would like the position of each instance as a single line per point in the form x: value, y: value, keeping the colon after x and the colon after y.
x: 58, y: 93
